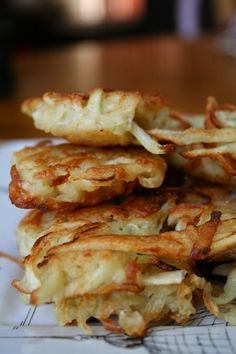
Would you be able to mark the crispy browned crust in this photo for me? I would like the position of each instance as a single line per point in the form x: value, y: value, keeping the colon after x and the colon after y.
x: 193, y: 242
x: 139, y: 212
x: 23, y: 199
x: 109, y: 180
x: 97, y: 130
x: 150, y: 101
x: 101, y: 118
x: 206, y: 216
x: 139, y: 205
x: 16, y: 191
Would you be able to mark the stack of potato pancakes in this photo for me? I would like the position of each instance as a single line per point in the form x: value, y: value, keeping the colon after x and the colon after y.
x: 113, y: 237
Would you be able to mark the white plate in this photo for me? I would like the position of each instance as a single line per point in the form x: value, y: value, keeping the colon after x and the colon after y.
x: 29, y: 329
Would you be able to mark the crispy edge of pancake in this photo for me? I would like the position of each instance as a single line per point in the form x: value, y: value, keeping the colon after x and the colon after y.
x: 23, y: 199
x: 183, y: 208
x: 137, y: 112
x: 121, y: 181
x: 136, y: 212
x: 175, y: 208
x: 148, y: 101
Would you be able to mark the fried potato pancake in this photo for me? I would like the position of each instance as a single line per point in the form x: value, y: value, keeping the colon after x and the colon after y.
x: 102, y: 118
x: 113, y: 259
x: 141, y: 214
x: 66, y: 176
x: 104, y: 280
x: 165, y: 211
x: 120, y: 118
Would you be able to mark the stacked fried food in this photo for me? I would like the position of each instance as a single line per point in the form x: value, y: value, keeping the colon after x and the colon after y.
x: 110, y: 236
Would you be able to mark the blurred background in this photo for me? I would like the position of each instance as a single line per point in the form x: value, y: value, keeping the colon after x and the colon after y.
x: 183, y: 49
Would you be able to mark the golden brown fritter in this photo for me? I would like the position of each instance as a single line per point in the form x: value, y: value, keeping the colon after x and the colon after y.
x: 67, y: 176
x: 168, y: 210
x: 116, y: 258
x: 101, y: 118
x: 113, y: 274
x: 141, y: 214
x: 113, y: 118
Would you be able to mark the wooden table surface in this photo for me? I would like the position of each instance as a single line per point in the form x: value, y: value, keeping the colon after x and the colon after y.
x: 183, y: 72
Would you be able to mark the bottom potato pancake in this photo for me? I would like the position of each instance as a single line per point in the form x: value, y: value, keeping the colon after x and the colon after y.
x: 135, y: 311
x: 134, y: 259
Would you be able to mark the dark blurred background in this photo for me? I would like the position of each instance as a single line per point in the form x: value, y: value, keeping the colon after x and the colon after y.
x: 29, y: 28
x: 37, y: 24
x: 40, y: 23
